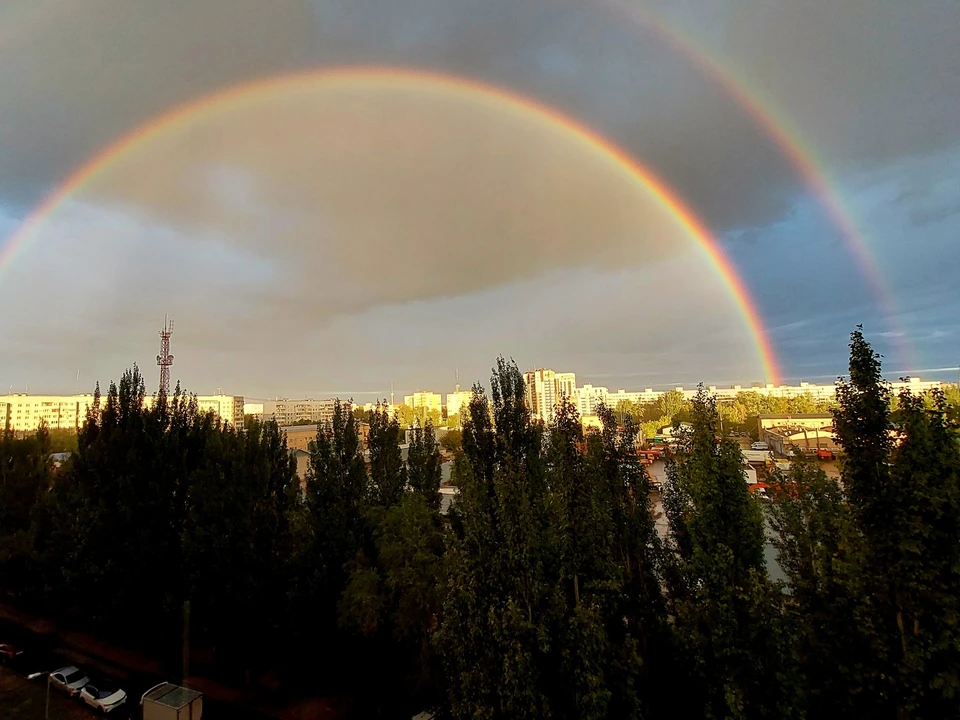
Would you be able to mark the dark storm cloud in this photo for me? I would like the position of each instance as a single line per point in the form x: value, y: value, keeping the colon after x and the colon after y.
x: 872, y: 87
x: 866, y: 82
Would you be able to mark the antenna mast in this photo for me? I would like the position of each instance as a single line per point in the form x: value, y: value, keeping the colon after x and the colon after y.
x: 165, y: 359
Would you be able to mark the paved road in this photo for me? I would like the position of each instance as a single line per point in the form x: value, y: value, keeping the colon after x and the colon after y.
x: 45, y: 652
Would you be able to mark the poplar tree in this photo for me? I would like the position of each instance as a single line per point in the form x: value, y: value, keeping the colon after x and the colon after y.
x: 727, y: 615
x: 424, y: 465
x: 902, y: 481
x: 493, y: 634
x: 387, y: 476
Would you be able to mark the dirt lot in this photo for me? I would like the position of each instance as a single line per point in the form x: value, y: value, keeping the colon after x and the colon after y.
x: 22, y: 699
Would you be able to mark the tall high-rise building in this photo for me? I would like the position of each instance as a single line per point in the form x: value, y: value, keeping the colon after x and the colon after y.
x: 545, y: 388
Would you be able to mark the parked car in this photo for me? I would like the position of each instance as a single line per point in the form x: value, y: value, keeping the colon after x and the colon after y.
x: 759, y: 445
x: 9, y: 652
x: 69, y: 679
x: 103, y: 695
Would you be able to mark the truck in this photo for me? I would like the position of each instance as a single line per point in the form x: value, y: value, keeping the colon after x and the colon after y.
x: 167, y: 701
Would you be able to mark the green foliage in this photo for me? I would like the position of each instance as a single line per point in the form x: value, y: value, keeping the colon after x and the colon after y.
x: 423, y: 466
x: 727, y: 613
x: 452, y: 441
x: 387, y: 476
x: 818, y: 549
x: 547, y: 590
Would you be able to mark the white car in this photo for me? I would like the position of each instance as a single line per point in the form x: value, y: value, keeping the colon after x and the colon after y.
x: 103, y: 695
x: 69, y: 679
x: 759, y: 446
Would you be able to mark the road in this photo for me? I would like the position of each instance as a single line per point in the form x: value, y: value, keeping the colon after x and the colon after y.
x: 43, y: 653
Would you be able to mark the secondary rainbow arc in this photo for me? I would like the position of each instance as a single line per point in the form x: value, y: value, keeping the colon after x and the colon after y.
x: 257, y: 89
x: 788, y: 138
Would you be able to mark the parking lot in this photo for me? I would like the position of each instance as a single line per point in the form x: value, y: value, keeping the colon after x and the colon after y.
x: 25, y: 699
x: 22, y: 699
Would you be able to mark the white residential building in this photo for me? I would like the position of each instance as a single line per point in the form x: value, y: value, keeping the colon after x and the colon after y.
x: 24, y: 413
x: 457, y: 400
x: 427, y: 400
x: 289, y: 412
x: 544, y: 390
x: 589, y: 398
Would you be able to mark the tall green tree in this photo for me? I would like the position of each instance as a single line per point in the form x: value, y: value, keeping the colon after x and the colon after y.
x: 424, y: 465
x: 491, y: 634
x: 727, y: 614
x: 902, y: 480
x: 819, y: 550
x: 333, y: 525
x: 387, y: 475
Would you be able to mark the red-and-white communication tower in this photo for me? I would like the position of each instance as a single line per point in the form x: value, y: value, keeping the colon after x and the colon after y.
x: 165, y: 359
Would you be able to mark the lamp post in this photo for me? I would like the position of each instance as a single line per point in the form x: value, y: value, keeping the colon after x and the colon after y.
x: 34, y: 676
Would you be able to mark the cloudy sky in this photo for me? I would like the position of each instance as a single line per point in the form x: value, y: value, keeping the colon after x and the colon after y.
x: 329, y: 235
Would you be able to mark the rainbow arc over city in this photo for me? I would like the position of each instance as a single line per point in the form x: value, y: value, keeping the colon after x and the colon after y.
x: 416, y: 80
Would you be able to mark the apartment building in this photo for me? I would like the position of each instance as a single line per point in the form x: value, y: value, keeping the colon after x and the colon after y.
x: 426, y: 400
x: 544, y: 390
x: 458, y: 400
x: 24, y: 413
x: 227, y: 407
x: 288, y: 412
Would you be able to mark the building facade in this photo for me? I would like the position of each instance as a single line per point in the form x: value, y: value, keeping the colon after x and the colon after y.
x: 228, y: 408
x: 287, y: 412
x: 25, y: 413
x: 544, y: 389
x: 426, y: 400
x: 458, y: 400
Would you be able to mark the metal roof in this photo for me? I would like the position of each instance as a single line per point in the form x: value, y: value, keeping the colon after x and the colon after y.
x: 173, y: 696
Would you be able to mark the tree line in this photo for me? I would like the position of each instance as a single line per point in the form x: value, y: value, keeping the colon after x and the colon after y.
x: 547, y: 590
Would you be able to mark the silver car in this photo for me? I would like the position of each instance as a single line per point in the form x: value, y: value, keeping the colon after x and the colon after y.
x: 69, y: 679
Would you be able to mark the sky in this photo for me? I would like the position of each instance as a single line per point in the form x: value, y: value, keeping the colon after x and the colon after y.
x: 333, y: 238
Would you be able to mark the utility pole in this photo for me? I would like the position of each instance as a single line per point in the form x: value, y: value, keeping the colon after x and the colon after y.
x: 186, y: 640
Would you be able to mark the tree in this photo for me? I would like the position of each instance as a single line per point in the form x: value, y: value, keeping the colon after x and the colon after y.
x: 818, y: 550
x: 452, y: 441
x: 727, y: 615
x: 387, y: 476
x: 423, y: 466
x: 332, y: 525
x: 491, y: 635
x: 392, y: 601
x: 405, y: 415
x: 902, y: 481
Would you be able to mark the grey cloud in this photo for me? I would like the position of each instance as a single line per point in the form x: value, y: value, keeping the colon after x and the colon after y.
x: 863, y: 86
x: 368, y: 196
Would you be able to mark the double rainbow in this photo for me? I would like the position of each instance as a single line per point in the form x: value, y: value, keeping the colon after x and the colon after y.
x: 498, y: 98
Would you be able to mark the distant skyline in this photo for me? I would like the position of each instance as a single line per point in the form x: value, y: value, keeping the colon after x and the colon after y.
x: 340, y: 236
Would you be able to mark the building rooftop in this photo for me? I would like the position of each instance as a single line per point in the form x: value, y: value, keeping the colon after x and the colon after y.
x: 173, y: 696
x: 796, y: 416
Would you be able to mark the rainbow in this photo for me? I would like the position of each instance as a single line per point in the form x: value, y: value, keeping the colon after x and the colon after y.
x: 258, y: 90
x: 801, y: 154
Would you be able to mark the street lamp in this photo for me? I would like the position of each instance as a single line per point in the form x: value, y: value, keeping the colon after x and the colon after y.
x: 34, y: 676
